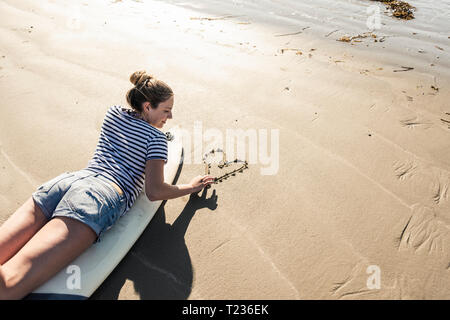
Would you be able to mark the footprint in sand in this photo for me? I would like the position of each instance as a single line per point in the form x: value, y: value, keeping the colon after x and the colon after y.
x: 440, y: 191
x: 415, y: 122
x: 404, y: 169
x: 425, y: 232
x: 446, y: 120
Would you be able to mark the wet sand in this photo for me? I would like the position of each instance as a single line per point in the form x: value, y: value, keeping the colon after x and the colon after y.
x: 364, y: 169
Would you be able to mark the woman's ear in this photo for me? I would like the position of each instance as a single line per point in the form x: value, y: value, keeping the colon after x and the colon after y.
x: 147, y: 105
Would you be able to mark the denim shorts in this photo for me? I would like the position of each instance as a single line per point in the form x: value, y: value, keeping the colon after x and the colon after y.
x: 83, y: 195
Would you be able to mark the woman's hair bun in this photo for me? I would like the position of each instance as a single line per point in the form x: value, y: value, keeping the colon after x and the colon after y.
x: 155, y: 92
x: 139, y: 77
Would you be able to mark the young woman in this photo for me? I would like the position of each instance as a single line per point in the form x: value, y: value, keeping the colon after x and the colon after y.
x: 65, y: 215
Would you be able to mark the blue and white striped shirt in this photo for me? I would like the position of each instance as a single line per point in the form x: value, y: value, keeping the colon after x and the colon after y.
x: 124, y: 146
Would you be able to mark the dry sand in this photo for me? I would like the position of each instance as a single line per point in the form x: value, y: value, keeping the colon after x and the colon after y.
x: 364, y: 166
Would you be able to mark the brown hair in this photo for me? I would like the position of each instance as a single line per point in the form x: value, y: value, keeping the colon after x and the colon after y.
x: 147, y: 88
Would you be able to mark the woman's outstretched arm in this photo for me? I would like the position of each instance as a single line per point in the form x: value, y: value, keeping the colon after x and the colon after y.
x: 157, y: 189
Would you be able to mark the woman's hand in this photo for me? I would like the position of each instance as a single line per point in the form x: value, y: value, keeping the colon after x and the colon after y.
x: 199, y: 182
x: 156, y: 189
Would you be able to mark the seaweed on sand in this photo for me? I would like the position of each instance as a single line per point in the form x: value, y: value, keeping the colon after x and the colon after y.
x: 400, y: 9
x: 356, y: 38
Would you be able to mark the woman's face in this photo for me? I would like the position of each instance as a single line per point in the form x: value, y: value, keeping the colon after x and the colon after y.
x: 158, y: 117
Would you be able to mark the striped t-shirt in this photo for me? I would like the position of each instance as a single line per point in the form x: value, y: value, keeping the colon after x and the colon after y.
x: 125, y: 144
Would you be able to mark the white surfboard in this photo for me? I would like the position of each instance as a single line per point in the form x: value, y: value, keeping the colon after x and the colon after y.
x: 85, y: 274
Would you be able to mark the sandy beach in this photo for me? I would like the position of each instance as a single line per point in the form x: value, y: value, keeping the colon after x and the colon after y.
x: 359, y: 172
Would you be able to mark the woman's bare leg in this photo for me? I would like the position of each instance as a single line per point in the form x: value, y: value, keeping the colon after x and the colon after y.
x: 19, y: 228
x: 54, y: 246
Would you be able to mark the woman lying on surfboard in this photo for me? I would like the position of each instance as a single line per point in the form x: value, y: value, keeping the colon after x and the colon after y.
x: 67, y: 214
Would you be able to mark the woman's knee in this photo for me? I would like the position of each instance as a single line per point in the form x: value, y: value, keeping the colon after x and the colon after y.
x: 5, y: 290
x: 9, y: 290
x: 2, y: 284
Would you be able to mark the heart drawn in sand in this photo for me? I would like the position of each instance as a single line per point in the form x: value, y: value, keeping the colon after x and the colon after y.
x: 223, y: 168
